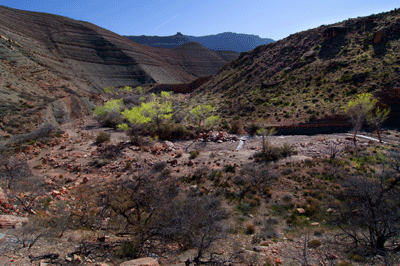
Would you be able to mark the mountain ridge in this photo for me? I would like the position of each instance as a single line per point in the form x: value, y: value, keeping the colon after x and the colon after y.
x: 226, y: 41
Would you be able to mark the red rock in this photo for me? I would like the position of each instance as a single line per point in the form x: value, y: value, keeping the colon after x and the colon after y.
x: 11, y: 221
x: 55, y: 193
x: 141, y: 262
x: 3, y: 197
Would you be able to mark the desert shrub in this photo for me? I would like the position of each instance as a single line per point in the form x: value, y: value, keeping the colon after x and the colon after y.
x: 199, y: 176
x: 102, y: 137
x: 173, y: 131
x: 281, y: 209
x: 131, y: 100
x: 230, y: 168
x: 237, y: 127
x: 159, y: 166
x: 111, y: 119
x: 313, y: 206
x: 269, y: 154
x: 128, y: 164
x: 111, y: 152
x: 196, y: 223
x: 287, y: 198
x: 128, y: 249
x: 244, y: 208
x: 253, y: 129
x: 250, y: 229
x: 314, y: 243
x: 287, y: 150
x: 358, y: 258
x: 319, y: 231
x: 269, y: 230
x: 194, y: 154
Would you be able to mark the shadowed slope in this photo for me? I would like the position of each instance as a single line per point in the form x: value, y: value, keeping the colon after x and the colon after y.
x: 46, y: 59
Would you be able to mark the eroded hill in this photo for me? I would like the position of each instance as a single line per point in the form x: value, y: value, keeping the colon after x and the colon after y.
x: 52, y: 65
x: 312, y: 74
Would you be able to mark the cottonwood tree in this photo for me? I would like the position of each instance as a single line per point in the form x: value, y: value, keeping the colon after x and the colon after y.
x: 157, y: 110
x: 203, y: 113
x: 109, y: 112
x: 377, y: 118
x: 361, y: 110
x: 136, y: 118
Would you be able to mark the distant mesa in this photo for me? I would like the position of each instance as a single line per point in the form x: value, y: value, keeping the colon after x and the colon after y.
x: 227, y: 41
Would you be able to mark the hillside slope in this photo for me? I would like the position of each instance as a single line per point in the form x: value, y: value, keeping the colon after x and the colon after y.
x: 47, y: 59
x: 311, y: 74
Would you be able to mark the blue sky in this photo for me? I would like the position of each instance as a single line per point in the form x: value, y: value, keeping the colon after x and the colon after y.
x: 274, y: 19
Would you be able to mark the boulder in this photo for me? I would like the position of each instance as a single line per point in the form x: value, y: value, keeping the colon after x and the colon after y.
x: 11, y: 221
x: 168, y: 144
x: 260, y: 249
x: 3, y: 197
x: 141, y: 262
x: 301, y: 210
x: 311, y: 53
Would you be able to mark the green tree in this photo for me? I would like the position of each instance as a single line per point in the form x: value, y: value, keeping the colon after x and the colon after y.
x: 358, y: 110
x: 158, y: 109
x: 109, y: 106
x: 136, y: 118
x: 203, y: 113
x: 377, y: 118
x: 109, y: 112
x: 362, y: 110
x: 200, y: 113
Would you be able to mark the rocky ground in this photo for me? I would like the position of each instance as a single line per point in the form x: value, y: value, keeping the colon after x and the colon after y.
x: 73, y: 159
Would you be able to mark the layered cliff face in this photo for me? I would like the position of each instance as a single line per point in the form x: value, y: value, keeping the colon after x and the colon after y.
x: 45, y: 59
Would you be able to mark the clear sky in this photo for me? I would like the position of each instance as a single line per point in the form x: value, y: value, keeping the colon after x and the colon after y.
x: 274, y: 19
